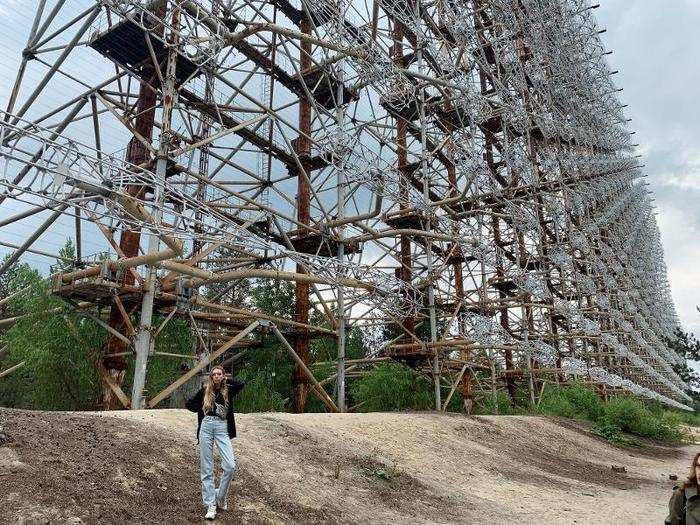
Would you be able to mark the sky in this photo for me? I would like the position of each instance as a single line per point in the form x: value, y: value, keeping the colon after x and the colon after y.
x: 654, y: 48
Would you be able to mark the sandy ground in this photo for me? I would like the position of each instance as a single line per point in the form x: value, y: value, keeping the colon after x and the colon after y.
x: 142, y: 467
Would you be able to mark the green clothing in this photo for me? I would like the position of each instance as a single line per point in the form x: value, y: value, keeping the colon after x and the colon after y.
x: 684, y: 500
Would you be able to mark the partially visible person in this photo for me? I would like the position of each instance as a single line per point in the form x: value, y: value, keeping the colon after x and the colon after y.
x: 684, y: 506
x: 215, y: 424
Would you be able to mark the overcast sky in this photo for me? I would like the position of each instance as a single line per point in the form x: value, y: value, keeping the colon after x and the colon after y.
x: 656, y: 46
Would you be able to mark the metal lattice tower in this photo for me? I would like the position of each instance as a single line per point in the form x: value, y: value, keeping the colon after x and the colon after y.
x: 457, y: 173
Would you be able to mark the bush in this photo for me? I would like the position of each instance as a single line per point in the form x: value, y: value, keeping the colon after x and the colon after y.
x: 59, y: 350
x: 500, y: 406
x: 612, y: 419
x: 258, y: 396
x: 609, y: 431
x: 575, y: 401
x: 691, y: 419
x: 393, y: 386
x: 632, y: 416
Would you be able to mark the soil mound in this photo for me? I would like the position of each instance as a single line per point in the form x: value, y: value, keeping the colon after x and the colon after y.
x: 142, y: 467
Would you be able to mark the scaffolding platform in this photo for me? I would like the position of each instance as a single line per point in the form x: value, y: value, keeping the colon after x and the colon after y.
x: 323, y: 88
x: 320, y: 12
x: 405, y: 108
x: 459, y: 257
x: 405, y: 219
x: 411, y: 356
x: 97, y: 291
x: 319, y: 244
x: 505, y: 286
x: 126, y: 43
x: 452, y: 118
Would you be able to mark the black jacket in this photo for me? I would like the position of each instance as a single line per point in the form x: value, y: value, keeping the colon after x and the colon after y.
x: 195, y: 404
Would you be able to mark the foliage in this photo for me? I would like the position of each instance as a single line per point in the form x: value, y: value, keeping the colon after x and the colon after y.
x: 615, y: 418
x: 610, y: 432
x: 235, y: 293
x: 500, y: 405
x: 687, y: 346
x: 575, y: 401
x: 258, y: 395
x: 392, y: 386
x: 176, y: 338
x: 630, y: 415
x: 58, y: 348
x: 273, y: 297
x: 67, y: 254
x: 267, y: 372
x: 384, y: 473
x: 691, y: 419
x: 18, y: 277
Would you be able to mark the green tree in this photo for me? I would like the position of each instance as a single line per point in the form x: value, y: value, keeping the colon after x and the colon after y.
x: 20, y: 276
x: 687, y: 346
x: 393, y: 386
x: 59, y: 349
x: 236, y: 293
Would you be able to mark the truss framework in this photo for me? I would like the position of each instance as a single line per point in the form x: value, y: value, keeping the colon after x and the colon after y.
x: 459, y: 171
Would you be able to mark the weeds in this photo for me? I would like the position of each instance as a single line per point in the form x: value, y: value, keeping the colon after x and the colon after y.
x: 374, y: 468
x: 615, y: 419
x: 383, y: 472
x: 393, y: 386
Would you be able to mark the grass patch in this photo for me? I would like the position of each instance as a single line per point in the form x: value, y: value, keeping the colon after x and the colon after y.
x: 617, y: 419
x: 258, y: 395
x: 374, y: 468
x: 384, y: 473
x: 392, y: 386
x: 574, y: 402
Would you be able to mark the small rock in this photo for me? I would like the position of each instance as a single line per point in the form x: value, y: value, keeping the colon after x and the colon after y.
x: 4, y: 437
x: 673, y: 477
x: 619, y: 470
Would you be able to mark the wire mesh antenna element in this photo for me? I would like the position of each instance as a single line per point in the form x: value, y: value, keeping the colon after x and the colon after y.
x: 454, y: 178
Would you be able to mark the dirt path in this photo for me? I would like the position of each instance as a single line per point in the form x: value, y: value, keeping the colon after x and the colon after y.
x: 127, y: 467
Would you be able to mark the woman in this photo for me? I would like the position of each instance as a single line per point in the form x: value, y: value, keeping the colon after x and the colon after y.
x: 216, y: 424
x: 684, y: 507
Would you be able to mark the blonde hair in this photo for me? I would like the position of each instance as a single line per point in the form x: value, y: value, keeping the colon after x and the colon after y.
x: 210, y: 390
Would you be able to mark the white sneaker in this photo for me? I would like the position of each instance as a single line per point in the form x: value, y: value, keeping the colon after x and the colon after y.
x: 211, y: 513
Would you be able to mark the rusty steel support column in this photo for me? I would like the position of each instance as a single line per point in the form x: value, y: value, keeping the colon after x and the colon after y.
x: 129, y: 241
x: 303, y: 150
x: 405, y: 271
x: 145, y: 338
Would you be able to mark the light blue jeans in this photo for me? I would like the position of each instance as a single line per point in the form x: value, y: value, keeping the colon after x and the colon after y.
x: 213, y: 430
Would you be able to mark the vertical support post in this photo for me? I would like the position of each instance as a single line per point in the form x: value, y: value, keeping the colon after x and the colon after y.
x: 78, y: 236
x: 457, y: 260
x: 129, y: 241
x: 145, y: 339
x: 428, y: 240
x: 303, y: 149
x: 405, y: 270
x: 340, y: 117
